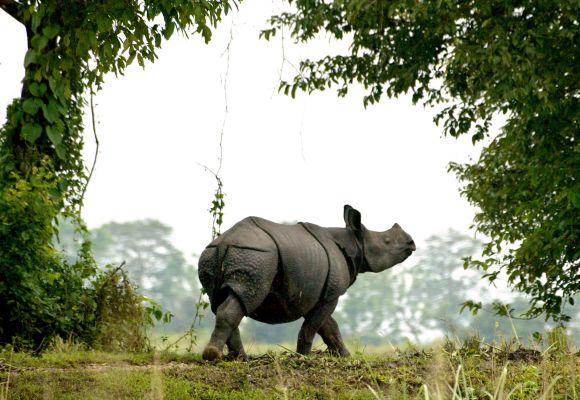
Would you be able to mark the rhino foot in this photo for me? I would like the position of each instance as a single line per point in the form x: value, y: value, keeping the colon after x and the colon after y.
x: 236, y: 357
x: 211, y: 353
x: 339, y: 352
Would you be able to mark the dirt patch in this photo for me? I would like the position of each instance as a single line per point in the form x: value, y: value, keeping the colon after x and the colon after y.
x: 523, y: 354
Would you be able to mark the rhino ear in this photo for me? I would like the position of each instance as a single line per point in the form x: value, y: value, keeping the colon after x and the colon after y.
x: 352, y: 218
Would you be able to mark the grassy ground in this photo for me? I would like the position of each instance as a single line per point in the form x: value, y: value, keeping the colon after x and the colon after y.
x: 447, y: 371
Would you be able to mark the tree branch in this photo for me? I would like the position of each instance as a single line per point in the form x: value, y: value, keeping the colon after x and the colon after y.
x: 12, y: 8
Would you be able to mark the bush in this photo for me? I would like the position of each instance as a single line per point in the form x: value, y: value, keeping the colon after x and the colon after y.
x: 121, y: 317
x: 43, y: 295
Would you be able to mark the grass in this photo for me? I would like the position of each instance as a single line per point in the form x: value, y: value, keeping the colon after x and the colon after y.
x: 448, y: 370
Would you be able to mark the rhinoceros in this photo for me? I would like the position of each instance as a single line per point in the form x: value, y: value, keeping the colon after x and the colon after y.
x: 278, y: 273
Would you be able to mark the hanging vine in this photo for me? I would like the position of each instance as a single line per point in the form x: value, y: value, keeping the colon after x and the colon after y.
x: 216, y: 211
x: 218, y: 204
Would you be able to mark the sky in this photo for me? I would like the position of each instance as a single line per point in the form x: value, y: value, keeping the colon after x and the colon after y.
x: 283, y: 159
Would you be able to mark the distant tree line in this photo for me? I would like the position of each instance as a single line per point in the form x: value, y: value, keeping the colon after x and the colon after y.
x: 415, y: 302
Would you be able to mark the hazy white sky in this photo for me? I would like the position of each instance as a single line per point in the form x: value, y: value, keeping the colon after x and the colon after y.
x: 283, y: 159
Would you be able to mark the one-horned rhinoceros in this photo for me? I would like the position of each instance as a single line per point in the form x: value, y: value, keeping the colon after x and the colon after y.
x: 278, y: 273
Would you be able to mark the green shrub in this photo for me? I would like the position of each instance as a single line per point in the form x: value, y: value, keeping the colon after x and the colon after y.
x: 43, y: 295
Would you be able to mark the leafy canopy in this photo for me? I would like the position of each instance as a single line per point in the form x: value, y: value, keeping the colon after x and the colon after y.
x: 70, y: 50
x: 513, y: 58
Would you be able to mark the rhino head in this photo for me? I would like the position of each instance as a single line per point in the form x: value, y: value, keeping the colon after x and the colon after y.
x: 382, y: 250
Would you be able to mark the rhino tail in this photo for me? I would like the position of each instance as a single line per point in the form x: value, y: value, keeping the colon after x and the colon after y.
x: 208, y: 271
x: 248, y: 273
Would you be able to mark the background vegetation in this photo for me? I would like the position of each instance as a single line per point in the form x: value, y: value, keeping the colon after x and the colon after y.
x: 65, y: 289
x: 417, y: 302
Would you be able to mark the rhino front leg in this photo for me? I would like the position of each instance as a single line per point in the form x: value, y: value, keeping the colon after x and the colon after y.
x: 228, y: 316
x: 332, y: 338
x: 312, y: 323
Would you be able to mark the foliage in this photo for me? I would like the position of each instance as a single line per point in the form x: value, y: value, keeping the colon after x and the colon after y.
x: 120, y: 314
x: 152, y: 262
x: 42, y: 294
x: 47, y: 296
x: 156, y: 267
x: 70, y: 50
x: 217, y: 208
x: 480, y: 60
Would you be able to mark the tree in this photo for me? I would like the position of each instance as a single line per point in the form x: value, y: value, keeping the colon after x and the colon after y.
x: 518, y: 59
x: 71, y: 47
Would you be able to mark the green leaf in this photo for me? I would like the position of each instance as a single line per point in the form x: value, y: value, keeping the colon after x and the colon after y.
x: 132, y: 54
x: 37, y: 89
x: 54, y: 134
x: 476, y: 137
x: 30, y: 57
x: 293, y: 92
x: 37, y: 18
x: 31, y: 132
x: 167, y: 317
x: 61, y: 151
x: 574, y: 197
x: 39, y: 42
x: 31, y: 106
x: 169, y: 28
x: 51, y: 112
x: 51, y: 277
x: 51, y: 31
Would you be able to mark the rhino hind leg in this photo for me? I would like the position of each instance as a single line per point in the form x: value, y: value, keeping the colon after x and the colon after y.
x: 331, y: 336
x: 235, y: 346
x: 313, y: 321
x: 228, y: 316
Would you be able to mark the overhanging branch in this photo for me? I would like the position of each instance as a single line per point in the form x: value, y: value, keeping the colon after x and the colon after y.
x: 12, y: 8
